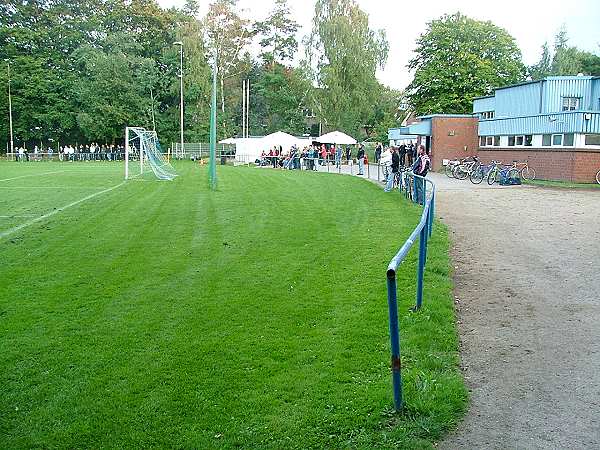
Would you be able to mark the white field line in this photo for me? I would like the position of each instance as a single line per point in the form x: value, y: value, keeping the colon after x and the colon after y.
x: 17, y: 215
x: 41, y: 188
x: 32, y: 175
x: 56, y: 211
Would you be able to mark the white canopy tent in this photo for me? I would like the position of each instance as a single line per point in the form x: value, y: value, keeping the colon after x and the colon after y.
x: 249, y: 149
x: 336, y: 137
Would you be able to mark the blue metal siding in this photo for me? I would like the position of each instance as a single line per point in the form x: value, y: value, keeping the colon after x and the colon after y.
x: 420, y: 128
x: 484, y: 104
x: 557, y: 88
x: 519, y: 100
x: 567, y: 122
x: 595, y: 95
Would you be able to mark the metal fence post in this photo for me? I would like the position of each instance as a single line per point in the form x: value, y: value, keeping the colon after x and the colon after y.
x: 368, y: 171
x: 394, y: 339
x: 421, y: 267
x: 378, y: 170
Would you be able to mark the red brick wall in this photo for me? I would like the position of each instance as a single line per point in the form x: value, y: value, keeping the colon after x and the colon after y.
x: 452, y: 138
x: 575, y: 165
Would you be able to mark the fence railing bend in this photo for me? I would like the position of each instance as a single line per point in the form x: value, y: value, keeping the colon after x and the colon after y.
x: 422, y: 232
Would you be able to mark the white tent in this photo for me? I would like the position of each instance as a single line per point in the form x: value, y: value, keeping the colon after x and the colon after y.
x: 249, y: 149
x: 336, y: 137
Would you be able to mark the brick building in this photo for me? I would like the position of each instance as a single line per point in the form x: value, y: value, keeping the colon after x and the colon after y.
x: 553, y: 123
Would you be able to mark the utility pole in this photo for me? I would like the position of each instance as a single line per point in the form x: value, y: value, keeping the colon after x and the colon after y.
x: 180, y: 89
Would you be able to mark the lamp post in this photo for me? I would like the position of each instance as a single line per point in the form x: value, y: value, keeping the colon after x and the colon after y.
x: 10, y: 119
x: 180, y: 43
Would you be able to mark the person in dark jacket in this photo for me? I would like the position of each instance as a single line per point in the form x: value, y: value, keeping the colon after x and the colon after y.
x: 360, y: 156
x: 402, y: 155
x: 395, y: 167
x: 420, y: 168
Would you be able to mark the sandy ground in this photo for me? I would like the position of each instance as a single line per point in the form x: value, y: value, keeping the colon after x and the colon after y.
x: 527, y: 289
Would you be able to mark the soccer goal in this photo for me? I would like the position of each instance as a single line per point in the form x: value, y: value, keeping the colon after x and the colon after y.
x: 142, y: 145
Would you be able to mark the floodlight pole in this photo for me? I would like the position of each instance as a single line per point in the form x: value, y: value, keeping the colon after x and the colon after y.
x: 213, y: 129
x: 180, y: 43
x: 10, y: 119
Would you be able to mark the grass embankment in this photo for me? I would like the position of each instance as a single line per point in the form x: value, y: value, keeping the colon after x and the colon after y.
x: 165, y: 315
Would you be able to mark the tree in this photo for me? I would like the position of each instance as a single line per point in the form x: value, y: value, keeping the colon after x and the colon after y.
x: 458, y: 59
x: 570, y: 60
x: 543, y: 68
x: 344, y: 54
x: 278, y: 35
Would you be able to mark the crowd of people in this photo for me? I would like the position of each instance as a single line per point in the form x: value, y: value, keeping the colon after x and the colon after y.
x: 312, y: 156
x: 88, y: 152
x: 406, y: 157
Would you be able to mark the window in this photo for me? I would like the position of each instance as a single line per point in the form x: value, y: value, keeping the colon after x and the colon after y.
x: 519, y: 140
x: 546, y: 140
x: 496, y: 141
x: 489, y: 140
x: 511, y: 141
x: 482, y: 141
x: 557, y: 139
x: 570, y: 103
x: 569, y: 140
x: 528, y: 140
x: 592, y: 139
x: 486, y: 115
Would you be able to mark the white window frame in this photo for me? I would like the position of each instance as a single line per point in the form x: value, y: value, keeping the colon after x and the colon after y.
x: 589, y: 145
x: 570, y: 103
x: 552, y: 144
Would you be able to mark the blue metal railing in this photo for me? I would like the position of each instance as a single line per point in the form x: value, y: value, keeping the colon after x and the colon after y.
x: 415, y: 188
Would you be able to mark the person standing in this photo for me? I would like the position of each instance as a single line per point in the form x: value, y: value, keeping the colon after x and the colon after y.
x: 402, y: 155
x: 420, y: 168
x: 409, y: 154
x: 378, y: 151
x: 395, y: 167
x: 360, y: 156
x: 338, y: 157
x: 348, y: 154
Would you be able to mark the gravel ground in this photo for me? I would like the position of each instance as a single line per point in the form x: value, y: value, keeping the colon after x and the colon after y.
x: 527, y: 288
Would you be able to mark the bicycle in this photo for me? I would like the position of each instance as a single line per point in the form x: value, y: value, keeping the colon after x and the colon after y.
x: 481, y: 172
x: 598, y: 177
x: 526, y: 172
x: 466, y: 168
x: 497, y: 172
x: 449, y: 169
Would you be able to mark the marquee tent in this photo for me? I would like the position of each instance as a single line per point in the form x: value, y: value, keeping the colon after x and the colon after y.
x: 249, y: 149
x: 336, y: 137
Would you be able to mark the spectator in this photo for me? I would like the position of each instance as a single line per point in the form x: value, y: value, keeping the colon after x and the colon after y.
x: 338, y: 157
x: 420, y: 168
x: 378, y: 151
x: 360, y: 156
x: 403, y: 155
x: 395, y: 164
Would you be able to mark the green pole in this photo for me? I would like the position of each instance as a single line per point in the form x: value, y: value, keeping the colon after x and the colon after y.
x: 212, y: 167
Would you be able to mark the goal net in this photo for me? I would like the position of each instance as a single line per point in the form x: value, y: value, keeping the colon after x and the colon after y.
x: 142, y: 145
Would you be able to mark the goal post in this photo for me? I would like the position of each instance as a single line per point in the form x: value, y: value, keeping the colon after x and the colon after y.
x: 144, y: 145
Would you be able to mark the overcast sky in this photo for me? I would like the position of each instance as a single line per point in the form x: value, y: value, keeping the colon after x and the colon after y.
x: 530, y: 22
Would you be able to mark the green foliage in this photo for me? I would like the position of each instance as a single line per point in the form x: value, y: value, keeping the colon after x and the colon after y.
x: 566, y: 60
x: 278, y: 35
x: 164, y: 315
x: 458, y: 59
x: 345, y: 53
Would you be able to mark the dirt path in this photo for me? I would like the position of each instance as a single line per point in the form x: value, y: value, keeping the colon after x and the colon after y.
x: 527, y: 275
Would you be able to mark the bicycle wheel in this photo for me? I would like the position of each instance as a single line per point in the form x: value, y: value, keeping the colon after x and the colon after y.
x: 528, y: 173
x: 476, y: 176
x: 448, y: 170
x: 491, y: 178
x: 461, y: 172
x: 598, y: 177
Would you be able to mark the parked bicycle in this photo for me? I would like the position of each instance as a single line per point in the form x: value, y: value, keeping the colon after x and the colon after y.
x: 498, y: 171
x: 481, y: 172
x: 598, y: 177
x: 526, y: 172
x: 466, y: 168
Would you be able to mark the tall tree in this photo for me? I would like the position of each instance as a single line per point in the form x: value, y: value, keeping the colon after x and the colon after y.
x: 344, y: 53
x: 458, y: 59
x: 543, y: 67
x: 278, y: 35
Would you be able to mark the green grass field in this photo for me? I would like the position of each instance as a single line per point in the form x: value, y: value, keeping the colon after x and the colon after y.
x: 160, y: 314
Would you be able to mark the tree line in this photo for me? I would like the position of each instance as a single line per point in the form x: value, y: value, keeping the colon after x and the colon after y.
x: 82, y: 70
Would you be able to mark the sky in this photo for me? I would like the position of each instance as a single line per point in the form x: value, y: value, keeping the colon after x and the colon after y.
x: 530, y: 22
